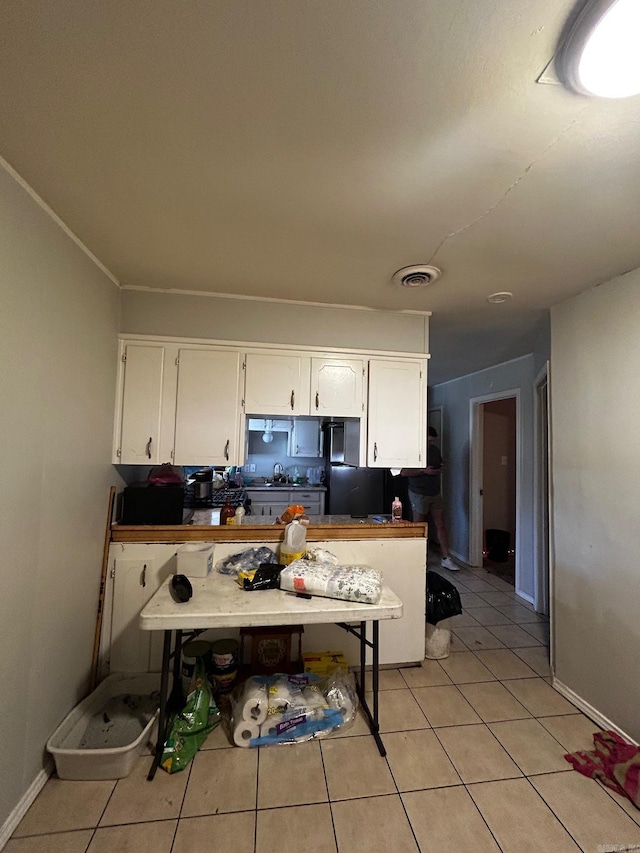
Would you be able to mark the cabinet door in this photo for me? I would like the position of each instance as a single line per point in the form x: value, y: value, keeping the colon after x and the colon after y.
x: 397, y: 414
x: 207, y: 407
x: 276, y: 384
x: 306, y: 438
x: 337, y: 387
x: 134, y: 582
x: 269, y: 508
x: 137, y: 439
x: 312, y: 501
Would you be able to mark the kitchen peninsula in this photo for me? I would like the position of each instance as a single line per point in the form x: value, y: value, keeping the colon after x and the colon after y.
x: 142, y: 557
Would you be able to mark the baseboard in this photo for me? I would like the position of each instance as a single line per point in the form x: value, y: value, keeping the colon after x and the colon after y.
x: 10, y: 824
x: 591, y: 712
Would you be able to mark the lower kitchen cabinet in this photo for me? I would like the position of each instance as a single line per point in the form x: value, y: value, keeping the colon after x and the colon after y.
x: 273, y: 502
x: 136, y: 570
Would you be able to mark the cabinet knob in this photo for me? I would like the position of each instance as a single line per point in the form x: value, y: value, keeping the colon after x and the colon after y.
x: 148, y: 447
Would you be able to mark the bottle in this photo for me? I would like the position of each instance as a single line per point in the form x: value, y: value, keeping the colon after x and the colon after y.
x: 396, y: 509
x: 239, y: 515
x: 239, y: 479
x: 295, y: 542
x: 296, y: 476
x: 227, y: 512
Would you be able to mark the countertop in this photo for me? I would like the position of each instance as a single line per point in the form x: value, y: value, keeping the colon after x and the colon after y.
x: 263, y: 529
x: 292, y: 487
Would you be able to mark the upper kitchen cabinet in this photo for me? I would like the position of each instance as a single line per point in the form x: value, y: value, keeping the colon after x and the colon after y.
x: 397, y: 413
x: 143, y: 426
x: 337, y: 387
x: 208, y: 407
x: 276, y: 384
x: 305, y: 438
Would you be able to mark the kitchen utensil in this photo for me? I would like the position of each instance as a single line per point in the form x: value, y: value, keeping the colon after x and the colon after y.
x: 202, y: 490
x: 204, y: 475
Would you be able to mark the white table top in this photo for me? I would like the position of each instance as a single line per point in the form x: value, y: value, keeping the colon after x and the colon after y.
x: 219, y: 602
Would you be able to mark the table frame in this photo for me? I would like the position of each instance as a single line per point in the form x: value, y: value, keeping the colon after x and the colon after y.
x: 161, y: 613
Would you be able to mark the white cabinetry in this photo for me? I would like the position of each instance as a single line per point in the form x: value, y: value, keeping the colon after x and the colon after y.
x: 337, y: 387
x: 276, y: 384
x: 208, y: 407
x: 273, y: 502
x: 305, y: 438
x: 397, y: 413
x: 311, y: 499
x: 138, y: 428
x: 289, y: 384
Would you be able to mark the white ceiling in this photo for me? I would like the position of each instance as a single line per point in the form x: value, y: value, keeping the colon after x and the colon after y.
x: 307, y: 149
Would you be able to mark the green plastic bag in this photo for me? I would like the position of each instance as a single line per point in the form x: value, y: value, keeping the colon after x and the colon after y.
x: 188, y: 730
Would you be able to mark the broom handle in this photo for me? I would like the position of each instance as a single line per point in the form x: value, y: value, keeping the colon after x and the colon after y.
x: 103, y: 581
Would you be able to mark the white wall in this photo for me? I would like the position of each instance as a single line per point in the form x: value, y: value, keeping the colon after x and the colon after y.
x: 198, y: 316
x: 59, y: 317
x: 454, y: 398
x: 595, y: 417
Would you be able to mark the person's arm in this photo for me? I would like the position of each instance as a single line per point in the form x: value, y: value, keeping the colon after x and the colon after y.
x: 416, y: 472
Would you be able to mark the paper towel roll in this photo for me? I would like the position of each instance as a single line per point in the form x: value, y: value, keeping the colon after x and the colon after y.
x: 244, y: 733
x: 254, y: 702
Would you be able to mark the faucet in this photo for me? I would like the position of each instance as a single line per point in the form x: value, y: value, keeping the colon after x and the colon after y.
x: 278, y: 471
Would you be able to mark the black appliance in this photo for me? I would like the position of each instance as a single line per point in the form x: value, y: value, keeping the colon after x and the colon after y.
x: 143, y: 503
x: 358, y: 491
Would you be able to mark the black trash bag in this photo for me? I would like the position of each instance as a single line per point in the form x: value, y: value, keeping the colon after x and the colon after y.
x: 443, y: 599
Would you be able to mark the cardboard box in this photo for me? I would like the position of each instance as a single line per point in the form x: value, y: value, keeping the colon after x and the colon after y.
x: 321, y: 663
x: 195, y: 559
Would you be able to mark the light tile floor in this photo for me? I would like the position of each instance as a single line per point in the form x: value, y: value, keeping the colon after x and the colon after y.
x: 475, y: 747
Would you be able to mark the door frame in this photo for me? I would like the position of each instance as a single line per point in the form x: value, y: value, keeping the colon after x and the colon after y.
x: 476, y: 442
x: 542, y: 493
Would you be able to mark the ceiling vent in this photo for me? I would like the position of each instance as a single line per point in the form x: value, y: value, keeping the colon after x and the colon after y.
x: 417, y: 276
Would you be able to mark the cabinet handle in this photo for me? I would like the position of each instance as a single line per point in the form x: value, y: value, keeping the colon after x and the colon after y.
x: 293, y: 399
x: 226, y: 450
x: 148, y: 447
x: 317, y: 400
x: 375, y: 450
x: 144, y: 575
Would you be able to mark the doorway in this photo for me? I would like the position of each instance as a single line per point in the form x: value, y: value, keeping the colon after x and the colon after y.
x: 495, y: 478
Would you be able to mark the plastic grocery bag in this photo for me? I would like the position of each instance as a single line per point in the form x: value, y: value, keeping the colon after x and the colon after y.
x: 246, y: 560
x: 443, y: 599
x: 188, y: 730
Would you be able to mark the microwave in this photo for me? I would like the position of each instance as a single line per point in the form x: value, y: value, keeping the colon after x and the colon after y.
x: 143, y: 503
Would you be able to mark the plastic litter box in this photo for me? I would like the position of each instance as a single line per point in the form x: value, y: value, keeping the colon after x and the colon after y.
x: 78, y: 760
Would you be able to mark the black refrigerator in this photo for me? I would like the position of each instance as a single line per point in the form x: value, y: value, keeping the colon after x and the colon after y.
x: 360, y: 491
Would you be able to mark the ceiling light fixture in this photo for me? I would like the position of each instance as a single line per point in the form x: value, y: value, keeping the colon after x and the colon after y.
x: 267, y: 435
x: 599, y: 54
x: 501, y: 296
x: 420, y: 275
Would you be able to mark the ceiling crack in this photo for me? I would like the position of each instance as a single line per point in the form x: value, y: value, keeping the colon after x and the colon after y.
x: 509, y: 188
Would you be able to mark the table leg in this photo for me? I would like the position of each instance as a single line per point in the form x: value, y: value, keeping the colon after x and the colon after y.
x: 162, y: 717
x: 374, y: 725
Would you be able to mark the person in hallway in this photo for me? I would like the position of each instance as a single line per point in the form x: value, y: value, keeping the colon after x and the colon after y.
x: 425, y: 497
